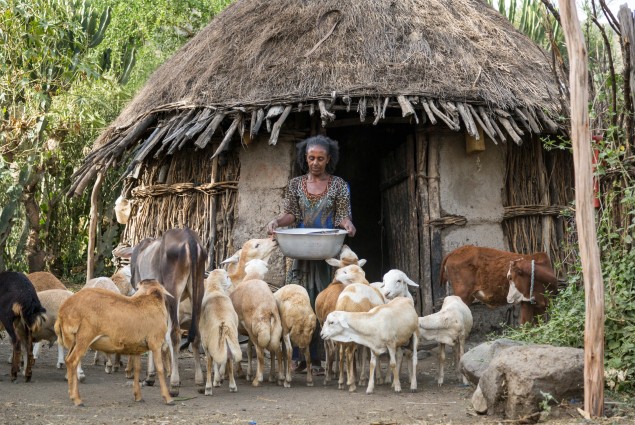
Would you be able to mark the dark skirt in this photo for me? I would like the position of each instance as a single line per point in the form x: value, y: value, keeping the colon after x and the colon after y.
x: 314, y: 276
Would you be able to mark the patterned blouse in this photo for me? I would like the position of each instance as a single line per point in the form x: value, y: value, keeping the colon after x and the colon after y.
x: 324, y: 211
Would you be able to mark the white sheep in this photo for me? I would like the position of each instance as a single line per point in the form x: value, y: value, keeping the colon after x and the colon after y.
x: 298, y: 325
x: 395, y: 284
x: 451, y: 325
x: 258, y: 317
x: 219, y: 330
x: 51, y: 300
x: 383, y: 328
x: 356, y: 297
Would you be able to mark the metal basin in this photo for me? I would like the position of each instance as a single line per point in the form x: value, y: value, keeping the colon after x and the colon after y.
x: 310, y: 244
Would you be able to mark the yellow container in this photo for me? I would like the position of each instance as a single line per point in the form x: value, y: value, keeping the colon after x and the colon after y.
x: 472, y: 145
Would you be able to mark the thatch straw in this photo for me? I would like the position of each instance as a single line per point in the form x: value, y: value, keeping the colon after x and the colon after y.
x: 287, y: 51
x: 259, y: 54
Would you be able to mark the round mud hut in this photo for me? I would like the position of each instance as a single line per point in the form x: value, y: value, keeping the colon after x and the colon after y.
x: 441, y: 109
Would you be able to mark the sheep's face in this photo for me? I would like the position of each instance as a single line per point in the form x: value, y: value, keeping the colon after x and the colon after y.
x: 347, y: 257
x: 332, y: 325
x: 258, y: 249
x: 395, y: 284
x: 256, y: 267
x: 350, y: 274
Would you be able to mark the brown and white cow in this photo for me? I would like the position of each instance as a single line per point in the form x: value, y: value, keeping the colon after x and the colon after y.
x: 522, y: 290
x: 480, y: 274
x: 177, y: 260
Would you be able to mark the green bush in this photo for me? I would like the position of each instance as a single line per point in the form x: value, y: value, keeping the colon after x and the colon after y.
x: 565, y: 326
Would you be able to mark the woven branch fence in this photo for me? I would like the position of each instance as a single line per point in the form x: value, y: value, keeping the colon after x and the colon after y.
x: 185, y: 198
x: 539, y: 195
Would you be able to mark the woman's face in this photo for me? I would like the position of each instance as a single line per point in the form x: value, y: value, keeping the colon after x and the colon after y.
x: 317, y: 158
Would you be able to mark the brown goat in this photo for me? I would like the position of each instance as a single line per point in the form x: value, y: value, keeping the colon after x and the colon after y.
x: 113, y: 323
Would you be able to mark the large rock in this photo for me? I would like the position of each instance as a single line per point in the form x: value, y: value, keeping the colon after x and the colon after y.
x: 515, y: 379
x: 475, y: 362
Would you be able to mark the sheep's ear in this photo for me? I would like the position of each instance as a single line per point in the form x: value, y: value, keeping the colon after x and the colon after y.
x: 230, y: 260
x: 343, y: 322
x: 361, y: 262
x: 411, y: 282
x: 333, y: 262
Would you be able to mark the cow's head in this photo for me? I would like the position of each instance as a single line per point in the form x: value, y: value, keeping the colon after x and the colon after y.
x: 521, y: 289
x: 519, y: 283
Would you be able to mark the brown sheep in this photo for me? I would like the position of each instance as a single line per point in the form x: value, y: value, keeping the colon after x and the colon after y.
x: 259, y: 317
x: 298, y: 325
x: 219, y: 330
x: 43, y: 281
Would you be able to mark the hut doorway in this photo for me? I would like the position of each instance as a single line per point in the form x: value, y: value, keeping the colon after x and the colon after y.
x: 379, y: 162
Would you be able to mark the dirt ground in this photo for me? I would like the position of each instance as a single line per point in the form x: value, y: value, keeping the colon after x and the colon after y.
x: 108, y: 400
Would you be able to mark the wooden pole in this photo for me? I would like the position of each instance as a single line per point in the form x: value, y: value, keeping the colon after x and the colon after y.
x: 211, y: 259
x: 92, y: 229
x: 425, y: 284
x: 434, y: 199
x: 585, y: 213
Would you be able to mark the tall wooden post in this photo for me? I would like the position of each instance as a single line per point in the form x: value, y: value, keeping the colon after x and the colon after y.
x: 211, y: 259
x: 92, y: 229
x: 584, y: 212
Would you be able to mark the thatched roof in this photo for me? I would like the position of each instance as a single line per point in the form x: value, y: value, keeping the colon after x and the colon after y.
x: 454, y: 61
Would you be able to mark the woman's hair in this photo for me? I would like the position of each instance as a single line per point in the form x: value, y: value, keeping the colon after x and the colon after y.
x: 329, y: 145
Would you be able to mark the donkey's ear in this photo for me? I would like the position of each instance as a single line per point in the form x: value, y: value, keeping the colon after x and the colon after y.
x: 123, y: 252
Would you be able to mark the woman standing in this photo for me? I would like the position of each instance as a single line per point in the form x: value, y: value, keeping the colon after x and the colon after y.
x: 316, y: 199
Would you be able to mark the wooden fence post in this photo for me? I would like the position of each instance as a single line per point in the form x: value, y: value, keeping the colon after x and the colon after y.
x: 584, y: 212
x: 92, y: 229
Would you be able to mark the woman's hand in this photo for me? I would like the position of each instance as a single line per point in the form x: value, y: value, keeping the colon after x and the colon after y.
x: 271, y: 226
x: 347, y: 225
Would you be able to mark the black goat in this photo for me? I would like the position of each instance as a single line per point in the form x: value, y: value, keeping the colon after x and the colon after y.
x: 20, y: 307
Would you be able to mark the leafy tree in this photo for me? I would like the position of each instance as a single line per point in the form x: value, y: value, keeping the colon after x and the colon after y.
x: 46, y: 49
x: 67, y: 69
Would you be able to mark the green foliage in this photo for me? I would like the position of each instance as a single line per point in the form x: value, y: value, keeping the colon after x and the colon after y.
x: 619, y: 279
x: 615, y: 218
x: 153, y: 31
x: 67, y: 68
x: 565, y: 326
x: 531, y: 18
x: 545, y: 403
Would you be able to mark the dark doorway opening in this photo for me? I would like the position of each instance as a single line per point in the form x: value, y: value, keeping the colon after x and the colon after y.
x: 365, y: 152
